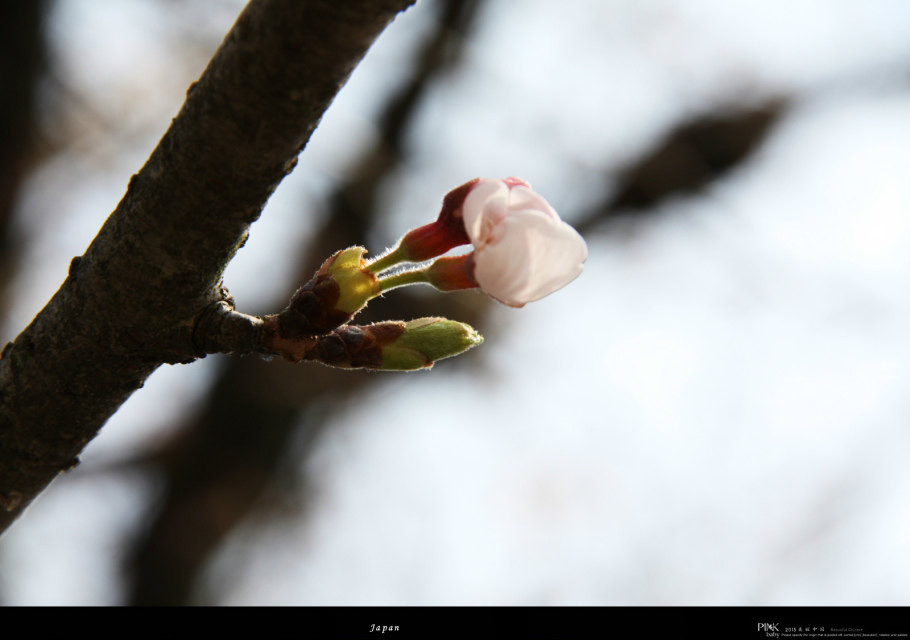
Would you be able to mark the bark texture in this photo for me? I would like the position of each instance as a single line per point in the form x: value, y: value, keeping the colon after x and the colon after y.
x: 132, y: 301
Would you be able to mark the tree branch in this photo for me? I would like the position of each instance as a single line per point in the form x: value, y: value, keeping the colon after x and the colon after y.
x: 216, y: 472
x: 132, y: 301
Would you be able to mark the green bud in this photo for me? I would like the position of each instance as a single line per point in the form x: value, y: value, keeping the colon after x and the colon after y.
x: 426, y: 340
x: 356, y: 284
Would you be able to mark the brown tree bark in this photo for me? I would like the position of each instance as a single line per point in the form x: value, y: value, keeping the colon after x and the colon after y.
x: 132, y: 301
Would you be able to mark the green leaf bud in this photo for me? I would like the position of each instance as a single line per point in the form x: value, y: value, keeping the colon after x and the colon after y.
x: 426, y: 340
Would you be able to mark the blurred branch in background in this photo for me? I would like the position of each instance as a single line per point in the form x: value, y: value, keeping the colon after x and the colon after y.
x: 22, y: 63
x: 215, y: 472
x: 686, y: 160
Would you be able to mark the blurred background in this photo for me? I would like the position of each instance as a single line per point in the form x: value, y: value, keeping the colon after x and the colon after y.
x: 717, y: 412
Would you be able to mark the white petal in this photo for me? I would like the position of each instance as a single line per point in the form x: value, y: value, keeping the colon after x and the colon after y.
x: 524, y: 198
x: 535, y: 256
x: 485, y: 205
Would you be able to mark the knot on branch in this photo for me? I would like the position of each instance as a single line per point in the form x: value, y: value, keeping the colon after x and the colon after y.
x: 221, y: 329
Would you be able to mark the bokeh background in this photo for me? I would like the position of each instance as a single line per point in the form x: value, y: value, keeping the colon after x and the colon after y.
x: 717, y: 412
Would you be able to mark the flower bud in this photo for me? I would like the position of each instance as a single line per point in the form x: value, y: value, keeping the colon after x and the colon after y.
x: 426, y: 340
x: 523, y: 251
x: 391, y: 345
x: 340, y: 288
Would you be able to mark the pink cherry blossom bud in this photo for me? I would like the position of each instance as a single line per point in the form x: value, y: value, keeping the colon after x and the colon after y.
x: 523, y: 251
x: 447, y: 232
